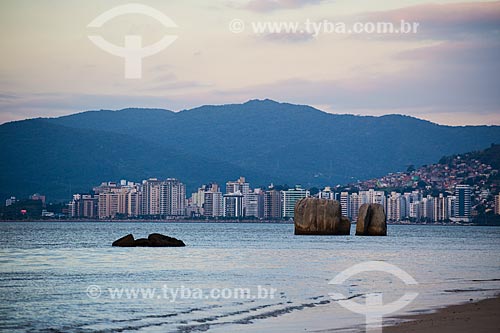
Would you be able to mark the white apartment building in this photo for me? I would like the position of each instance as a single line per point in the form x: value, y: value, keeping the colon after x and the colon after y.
x: 290, y: 198
x: 172, y: 198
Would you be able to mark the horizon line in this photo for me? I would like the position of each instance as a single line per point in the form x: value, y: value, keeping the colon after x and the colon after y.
x: 264, y: 100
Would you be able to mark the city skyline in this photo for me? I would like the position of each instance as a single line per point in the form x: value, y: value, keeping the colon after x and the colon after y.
x: 239, y: 201
x: 167, y: 199
x: 458, y: 188
x: 209, y: 64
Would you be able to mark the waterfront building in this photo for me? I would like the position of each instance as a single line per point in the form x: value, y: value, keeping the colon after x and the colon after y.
x: 327, y: 193
x: 427, y: 208
x: 497, y: 204
x: 394, y: 207
x: 233, y: 205
x: 241, y: 186
x: 462, y: 203
x: 255, y: 204
x: 290, y: 197
x: 440, y: 208
x: 414, y: 212
x: 355, y: 201
x: 172, y: 198
x: 273, y: 205
x: 345, y: 204
x: 213, y: 202
x: 151, y: 189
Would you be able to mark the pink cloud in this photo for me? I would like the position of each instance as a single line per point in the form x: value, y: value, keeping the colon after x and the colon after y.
x: 271, y: 5
x: 445, y: 14
x: 445, y: 21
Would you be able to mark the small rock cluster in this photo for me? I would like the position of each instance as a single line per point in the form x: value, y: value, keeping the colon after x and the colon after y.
x: 153, y: 240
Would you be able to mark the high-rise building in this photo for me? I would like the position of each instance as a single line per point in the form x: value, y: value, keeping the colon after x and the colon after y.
x: 233, y: 205
x: 355, y: 201
x: 327, y: 193
x: 408, y: 201
x: 414, y: 212
x: 108, y: 205
x: 290, y: 197
x: 151, y: 196
x: 105, y: 187
x: 440, y: 208
x: 172, y: 198
x: 255, y: 204
x: 372, y: 196
x: 345, y: 204
x: 427, y: 208
x: 394, y: 207
x: 462, y: 203
x: 90, y: 207
x: 213, y: 202
x: 134, y: 202
x: 123, y: 199
x: 497, y: 204
x: 450, y: 203
x: 84, y: 205
x: 403, y: 210
x: 74, y: 209
x: 272, y: 205
x: 240, y: 186
x: 198, y: 197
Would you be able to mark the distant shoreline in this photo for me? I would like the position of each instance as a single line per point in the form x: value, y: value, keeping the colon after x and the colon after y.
x: 151, y: 221
x: 221, y: 221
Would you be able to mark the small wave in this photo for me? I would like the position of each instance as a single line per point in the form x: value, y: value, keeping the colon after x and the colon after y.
x: 468, y: 290
x: 250, y: 319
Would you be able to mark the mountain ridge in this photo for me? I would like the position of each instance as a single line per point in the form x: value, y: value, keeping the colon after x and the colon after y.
x: 57, y: 160
x: 261, y: 139
x: 251, y: 102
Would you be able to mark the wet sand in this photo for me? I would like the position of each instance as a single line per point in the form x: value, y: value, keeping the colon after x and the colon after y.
x: 476, y: 317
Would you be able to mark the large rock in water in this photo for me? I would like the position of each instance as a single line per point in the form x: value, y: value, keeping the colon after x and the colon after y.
x: 320, y: 217
x: 371, y: 220
x: 153, y: 240
x: 159, y: 240
x: 142, y: 242
x: 125, y: 241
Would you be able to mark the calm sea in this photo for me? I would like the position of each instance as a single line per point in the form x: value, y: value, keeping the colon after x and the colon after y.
x: 66, y: 277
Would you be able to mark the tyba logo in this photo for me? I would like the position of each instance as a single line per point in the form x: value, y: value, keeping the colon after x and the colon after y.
x: 132, y: 51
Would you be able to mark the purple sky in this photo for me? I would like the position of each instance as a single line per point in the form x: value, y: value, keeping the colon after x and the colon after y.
x: 447, y: 72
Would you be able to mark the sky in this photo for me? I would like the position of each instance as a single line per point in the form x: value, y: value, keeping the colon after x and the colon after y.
x: 447, y: 72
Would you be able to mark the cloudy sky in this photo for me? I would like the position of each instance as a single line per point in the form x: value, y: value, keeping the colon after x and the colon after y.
x: 448, y: 72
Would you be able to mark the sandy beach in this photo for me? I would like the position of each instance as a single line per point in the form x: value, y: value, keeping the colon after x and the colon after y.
x: 477, y: 317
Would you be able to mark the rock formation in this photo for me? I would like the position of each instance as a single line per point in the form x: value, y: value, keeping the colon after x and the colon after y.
x: 159, y: 240
x: 141, y: 242
x: 371, y: 221
x: 125, y: 241
x: 153, y: 240
x: 320, y: 217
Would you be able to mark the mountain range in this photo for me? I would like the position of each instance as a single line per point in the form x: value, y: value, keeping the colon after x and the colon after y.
x: 264, y: 140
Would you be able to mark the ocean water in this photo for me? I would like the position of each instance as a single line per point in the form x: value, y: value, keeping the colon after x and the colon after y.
x: 66, y: 277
